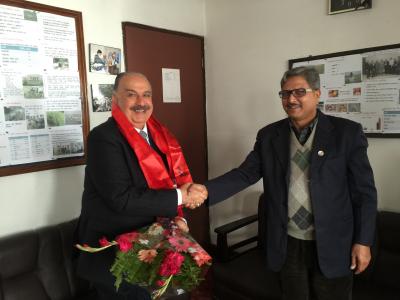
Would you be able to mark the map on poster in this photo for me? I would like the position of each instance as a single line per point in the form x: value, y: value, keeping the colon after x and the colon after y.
x: 40, y: 99
x: 364, y: 87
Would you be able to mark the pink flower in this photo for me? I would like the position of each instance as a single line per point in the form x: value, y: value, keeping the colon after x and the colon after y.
x: 199, y: 255
x: 104, y: 242
x: 180, y: 243
x: 201, y: 258
x: 171, y: 264
x: 147, y: 256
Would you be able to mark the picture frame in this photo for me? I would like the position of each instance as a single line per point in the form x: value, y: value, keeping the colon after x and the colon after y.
x: 101, y: 97
x: 342, y: 6
x: 104, y: 59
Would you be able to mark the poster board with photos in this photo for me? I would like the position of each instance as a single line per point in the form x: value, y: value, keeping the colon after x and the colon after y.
x: 361, y: 85
x: 43, y: 101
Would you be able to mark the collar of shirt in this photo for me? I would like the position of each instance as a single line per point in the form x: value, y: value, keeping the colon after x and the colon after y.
x: 303, y: 135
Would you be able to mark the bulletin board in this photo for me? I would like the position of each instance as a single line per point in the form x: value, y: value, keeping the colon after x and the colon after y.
x: 361, y: 85
x: 44, y: 118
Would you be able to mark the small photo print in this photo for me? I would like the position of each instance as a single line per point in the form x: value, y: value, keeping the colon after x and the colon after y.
x: 14, y: 113
x: 342, y: 107
x: 354, y: 107
x: 60, y: 63
x: 33, y: 86
x: 103, y: 59
x: 101, y: 97
x: 66, y: 148
x: 55, y: 118
x: 330, y: 108
x: 357, y: 91
x: 333, y: 93
x: 35, y: 121
x: 352, y: 77
x: 30, y: 15
x: 383, y: 64
x: 73, y: 117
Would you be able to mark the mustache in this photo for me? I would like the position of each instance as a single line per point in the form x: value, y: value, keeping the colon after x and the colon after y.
x: 140, y: 107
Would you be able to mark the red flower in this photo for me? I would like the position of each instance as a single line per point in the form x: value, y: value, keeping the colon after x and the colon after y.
x: 125, y: 240
x: 130, y: 236
x: 124, y: 243
x: 104, y: 242
x: 160, y: 282
x: 171, y: 264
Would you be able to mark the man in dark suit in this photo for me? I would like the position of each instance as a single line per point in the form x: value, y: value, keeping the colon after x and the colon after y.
x: 320, y: 195
x: 130, y: 179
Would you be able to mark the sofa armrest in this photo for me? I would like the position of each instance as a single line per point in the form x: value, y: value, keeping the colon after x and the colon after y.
x: 226, y: 252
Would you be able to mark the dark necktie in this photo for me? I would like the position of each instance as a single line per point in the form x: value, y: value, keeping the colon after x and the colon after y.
x: 154, y: 146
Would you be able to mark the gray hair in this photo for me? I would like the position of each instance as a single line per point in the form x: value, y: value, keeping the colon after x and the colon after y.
x: 123, y: 74
x: 309, y: 74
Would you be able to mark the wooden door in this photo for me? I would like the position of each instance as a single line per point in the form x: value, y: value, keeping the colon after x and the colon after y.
x: 147, y: 50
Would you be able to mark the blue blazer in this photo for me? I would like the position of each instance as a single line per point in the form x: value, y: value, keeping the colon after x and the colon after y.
x: 342, y: 190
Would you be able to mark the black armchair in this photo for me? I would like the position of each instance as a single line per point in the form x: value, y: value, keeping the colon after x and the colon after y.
x: 243, y: 275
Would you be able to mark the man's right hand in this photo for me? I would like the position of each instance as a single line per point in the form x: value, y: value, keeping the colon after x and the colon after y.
x: 193, y: 194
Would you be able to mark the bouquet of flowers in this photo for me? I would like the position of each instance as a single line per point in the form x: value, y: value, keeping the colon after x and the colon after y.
x: 157, y: 257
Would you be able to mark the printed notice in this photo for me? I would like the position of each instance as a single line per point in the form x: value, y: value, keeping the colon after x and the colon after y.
x: 171, y: 85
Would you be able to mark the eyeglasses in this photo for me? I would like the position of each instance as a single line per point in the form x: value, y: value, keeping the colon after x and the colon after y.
x: 298, y: 93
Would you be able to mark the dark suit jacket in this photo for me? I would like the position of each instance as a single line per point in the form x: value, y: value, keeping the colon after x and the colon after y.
x: 341, y: 185
x: 116, y: 198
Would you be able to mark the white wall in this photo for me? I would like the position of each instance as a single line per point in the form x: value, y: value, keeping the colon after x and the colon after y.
x: 49, y: 197
x: 248, y: 44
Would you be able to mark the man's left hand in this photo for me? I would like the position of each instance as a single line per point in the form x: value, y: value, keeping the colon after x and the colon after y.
x: 360, y: 258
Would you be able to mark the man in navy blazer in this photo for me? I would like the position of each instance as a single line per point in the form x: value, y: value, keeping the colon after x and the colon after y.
x: 117, y: 196
x: 320, y: 195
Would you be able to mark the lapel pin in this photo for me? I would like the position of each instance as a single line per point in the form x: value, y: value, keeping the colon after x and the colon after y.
x: 321, y: 153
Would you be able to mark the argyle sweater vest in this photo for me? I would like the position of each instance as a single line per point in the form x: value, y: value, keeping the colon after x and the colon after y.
x: 300, y: 214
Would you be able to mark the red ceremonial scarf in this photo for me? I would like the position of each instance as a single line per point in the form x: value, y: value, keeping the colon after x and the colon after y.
x: 151, y: 163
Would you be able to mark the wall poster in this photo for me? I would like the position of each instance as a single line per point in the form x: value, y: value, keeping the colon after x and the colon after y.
x: 43, y: 103
x: 361, y: 85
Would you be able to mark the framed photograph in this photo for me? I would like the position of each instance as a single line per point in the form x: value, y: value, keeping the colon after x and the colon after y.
x: 101, y: 97
x: 103, y: 59
x: 341, y: 6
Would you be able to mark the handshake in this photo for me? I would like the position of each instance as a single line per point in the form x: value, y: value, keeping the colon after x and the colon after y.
x: 193, y: 194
